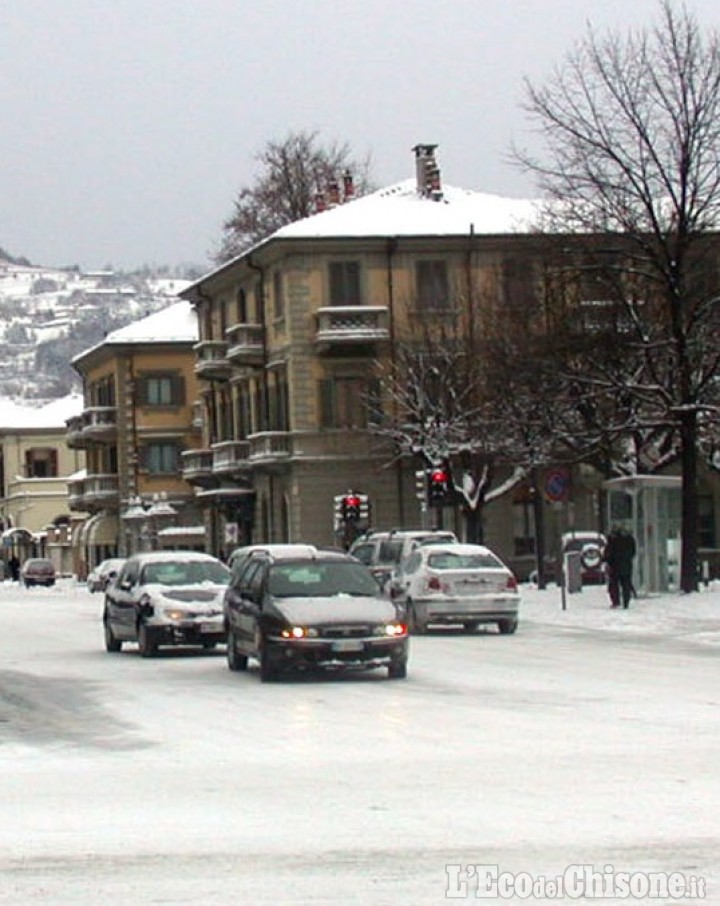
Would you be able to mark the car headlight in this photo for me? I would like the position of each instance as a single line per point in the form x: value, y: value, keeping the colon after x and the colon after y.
x: 174, y: 614
x: 393, y: 630
x: 298, y: 632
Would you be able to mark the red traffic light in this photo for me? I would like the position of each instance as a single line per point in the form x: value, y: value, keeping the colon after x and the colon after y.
x: 439, y: 476
x: 352, y: 502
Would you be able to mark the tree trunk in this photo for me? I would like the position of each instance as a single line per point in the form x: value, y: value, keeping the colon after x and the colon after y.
x: 474, y: 526
x: 688, y: 458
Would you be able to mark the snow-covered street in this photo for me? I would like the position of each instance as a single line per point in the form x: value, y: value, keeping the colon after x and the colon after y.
x: 590, y: 737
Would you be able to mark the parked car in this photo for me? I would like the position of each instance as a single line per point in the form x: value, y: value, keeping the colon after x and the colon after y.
x: 166, y: 598
x: 382, y: 551
x: 37, y: 571
x: 103, y: 573
x: 321, y: 609
x: 465, y: 584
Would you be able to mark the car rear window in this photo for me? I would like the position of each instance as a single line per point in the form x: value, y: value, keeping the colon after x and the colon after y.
x: 320, y: 580
x: 450, y: 560
x: 390, y: 551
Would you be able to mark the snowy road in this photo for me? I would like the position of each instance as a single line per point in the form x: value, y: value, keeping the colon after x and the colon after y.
x: 175, y: 781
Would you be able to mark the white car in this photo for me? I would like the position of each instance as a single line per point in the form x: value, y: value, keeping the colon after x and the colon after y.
x: 99, y: 578
x: 166, y: 598
x: 382, y: 551
x: 461, y: 584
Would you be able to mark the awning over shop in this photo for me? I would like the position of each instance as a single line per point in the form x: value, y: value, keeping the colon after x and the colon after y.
x: 102, y: 528
x: 16, y: 536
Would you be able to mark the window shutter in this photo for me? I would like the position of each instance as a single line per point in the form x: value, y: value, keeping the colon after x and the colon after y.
x: 53, y: 464
x: 178, y: 391
x: 142, y: 391
x: 28, y: 463
x: 374, y: 402
x: 326, y: 391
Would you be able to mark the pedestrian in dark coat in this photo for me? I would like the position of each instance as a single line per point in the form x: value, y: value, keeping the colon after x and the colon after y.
x: 619, y: 555
x: 14, y: 567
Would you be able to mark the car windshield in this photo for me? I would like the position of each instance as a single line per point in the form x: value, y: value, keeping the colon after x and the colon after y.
x: 185, y: 572
x: 320, y: 580
x: 449, y: 560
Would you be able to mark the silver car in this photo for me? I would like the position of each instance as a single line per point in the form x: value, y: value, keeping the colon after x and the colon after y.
x: 166, y: 598
x: 465, y: 584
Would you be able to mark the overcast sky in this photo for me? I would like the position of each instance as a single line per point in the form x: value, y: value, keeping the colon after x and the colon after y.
x: 128, y: 126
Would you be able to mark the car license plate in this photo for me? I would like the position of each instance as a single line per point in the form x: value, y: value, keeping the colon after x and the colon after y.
x: 209, y: 627
x: 347, y: 645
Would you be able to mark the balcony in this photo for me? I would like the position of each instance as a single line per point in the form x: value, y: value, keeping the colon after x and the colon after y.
x: 76, y: 494
x: 231, y: 457
x: 73, y: 437
x: 99, y: 423
x: 270, y: 447
x: 212, y: 363
x: 197, y: 466
x: 101, y: 490
x: 246, y: 345
x: 343, y: 326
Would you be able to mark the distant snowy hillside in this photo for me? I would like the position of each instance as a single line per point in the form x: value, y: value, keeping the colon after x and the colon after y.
x: 50, y: 315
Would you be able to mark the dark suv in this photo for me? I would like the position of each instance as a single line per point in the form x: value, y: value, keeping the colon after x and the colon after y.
x: 317, y: 610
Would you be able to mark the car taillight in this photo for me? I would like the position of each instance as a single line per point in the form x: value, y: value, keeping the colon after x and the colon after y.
x: 433, y: 584
x: 511, y: 583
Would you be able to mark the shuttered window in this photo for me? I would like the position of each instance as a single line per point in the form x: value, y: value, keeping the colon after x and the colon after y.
x: 345, y: 283
x: 162, y: 389
x: 349, y: 402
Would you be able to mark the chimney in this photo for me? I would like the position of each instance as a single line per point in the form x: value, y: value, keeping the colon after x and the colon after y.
x: 348, y: 186
x: 333, y: 193
x: 427, y: 172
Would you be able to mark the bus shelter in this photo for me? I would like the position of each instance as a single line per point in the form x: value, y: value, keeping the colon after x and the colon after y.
x: 649, y: 506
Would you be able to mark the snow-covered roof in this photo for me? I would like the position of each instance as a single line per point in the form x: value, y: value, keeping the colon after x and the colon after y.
x: 175, y: 324
x: 399, y: 210
x: 50, y: 415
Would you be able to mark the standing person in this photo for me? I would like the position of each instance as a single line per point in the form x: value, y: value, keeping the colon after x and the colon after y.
x: 619, y: 555
x: 14, y: 567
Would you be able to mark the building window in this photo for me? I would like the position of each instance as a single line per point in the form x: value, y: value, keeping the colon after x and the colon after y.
x: 162, y: 458
x: 41, y: 463
x: 433, y: 291
x: 102, y: 393
x: 278, y: 301
x: 162, y: 389
x: 349, y: 402
x: 242, y: 307
x: 345, y: 283
x: 523, y: 527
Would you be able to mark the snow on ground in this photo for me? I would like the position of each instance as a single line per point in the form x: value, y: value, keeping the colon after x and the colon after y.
x: 590, y: 737
x: 695, y: 617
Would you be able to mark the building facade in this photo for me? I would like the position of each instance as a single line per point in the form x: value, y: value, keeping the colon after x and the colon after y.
x: 139, y: 413
x: 35, y: 466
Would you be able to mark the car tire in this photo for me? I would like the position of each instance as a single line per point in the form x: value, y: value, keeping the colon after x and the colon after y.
x: 415, y: 625
x: 507, y: 627
x: 112, y: 644
x: 397, y: 670
x: 235, y: 660
x: 268, y: 670
x: 146, y: 641
x: 470, y: 626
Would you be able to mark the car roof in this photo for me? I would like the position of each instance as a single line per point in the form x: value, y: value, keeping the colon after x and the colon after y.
x: 162, y: 556
x: 318, y: 554
x: 278, y: 549
x: 460, y: 547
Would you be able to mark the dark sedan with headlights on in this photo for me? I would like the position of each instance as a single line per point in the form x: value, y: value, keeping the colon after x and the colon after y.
x: 322, y: 609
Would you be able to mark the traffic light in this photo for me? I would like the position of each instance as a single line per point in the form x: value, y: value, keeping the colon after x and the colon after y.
x: 439, y: 485
x: 350, y: 507
x: 421, y: 485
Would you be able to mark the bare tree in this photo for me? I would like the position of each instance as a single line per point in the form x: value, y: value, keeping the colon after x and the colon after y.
x: 631, y: 125
x: 294, y: 170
